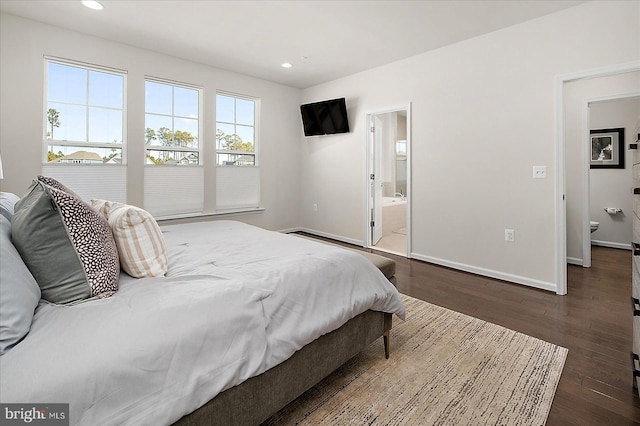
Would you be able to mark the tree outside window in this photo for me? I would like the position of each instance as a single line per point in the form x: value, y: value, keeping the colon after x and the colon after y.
x: 171, y: 124
x: 235, y: 131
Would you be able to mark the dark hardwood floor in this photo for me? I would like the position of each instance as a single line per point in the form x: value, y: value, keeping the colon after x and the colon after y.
x: 593, y: 321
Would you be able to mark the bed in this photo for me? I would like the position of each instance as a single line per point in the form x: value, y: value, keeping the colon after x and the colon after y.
x: 244, y: 321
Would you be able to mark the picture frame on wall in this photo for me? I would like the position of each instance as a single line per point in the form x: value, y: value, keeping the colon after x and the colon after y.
x: 607, y: 148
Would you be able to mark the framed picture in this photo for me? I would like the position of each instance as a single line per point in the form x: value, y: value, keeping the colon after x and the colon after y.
x: 607, y: 149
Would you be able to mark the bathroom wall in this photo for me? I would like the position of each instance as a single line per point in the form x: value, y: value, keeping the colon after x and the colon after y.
x: 401, y: 132
x: 612, y: 187
x: 401, y: 162
x: 388, y: 153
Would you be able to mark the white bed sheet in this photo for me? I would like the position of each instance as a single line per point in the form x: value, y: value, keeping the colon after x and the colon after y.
x: 236, y: 301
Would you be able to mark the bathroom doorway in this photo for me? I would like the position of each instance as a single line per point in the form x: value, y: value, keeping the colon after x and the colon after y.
x: 573, y: 92
x: 608, y: 199
x: 388, y: 181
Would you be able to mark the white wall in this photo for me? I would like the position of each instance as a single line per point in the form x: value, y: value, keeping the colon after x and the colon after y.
x: 23, y: 43
x: 483, y: 115
x: 388, y: 153
x: 612, y: 187
x: 576, y: 94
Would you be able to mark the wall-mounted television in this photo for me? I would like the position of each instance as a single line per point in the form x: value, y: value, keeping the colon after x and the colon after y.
x: 325, y: 118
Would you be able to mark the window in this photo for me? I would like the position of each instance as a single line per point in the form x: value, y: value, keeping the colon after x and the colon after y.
x: 235, y: 130
x: 84, y: 128
x: 172, y: 123
x: 236, y: 136
x: 172, y: 137
x: 84, y: 114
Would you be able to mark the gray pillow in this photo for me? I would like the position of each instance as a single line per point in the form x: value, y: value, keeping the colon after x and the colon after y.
x: 7, y: 201
x: 19, y: 292
x: 66, y: 244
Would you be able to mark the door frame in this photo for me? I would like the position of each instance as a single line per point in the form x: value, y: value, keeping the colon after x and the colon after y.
x: 368, y: 143
x: 560, y: 209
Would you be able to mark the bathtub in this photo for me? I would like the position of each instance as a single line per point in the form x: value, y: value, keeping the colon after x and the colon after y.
x: 392, y: 201
x: 394, y: 214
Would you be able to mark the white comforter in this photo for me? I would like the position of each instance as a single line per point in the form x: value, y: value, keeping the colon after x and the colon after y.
x: 237, y: 300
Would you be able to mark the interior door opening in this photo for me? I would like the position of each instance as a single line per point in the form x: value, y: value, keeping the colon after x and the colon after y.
x: 604, y: 80
x: 608, y: 187
x: 388, y: 181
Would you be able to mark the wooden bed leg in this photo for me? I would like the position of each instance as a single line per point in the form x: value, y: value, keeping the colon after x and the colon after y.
x: 386, y: 336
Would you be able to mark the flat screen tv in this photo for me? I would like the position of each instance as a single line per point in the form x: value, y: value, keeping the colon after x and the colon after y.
x: 325, y: 118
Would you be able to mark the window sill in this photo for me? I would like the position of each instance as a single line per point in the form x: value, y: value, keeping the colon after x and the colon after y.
x: 230, y: 212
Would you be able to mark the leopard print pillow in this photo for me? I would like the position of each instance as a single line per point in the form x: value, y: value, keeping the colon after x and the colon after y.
x: 54, y: 183
x: 93, y: 240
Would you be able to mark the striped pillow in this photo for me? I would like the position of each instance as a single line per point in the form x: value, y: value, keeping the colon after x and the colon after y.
x: 141, y: 246
x: 102, y: 206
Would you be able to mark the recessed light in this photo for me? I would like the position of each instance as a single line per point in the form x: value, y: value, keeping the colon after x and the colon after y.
x: 286, y: 65
x: 91, y: 4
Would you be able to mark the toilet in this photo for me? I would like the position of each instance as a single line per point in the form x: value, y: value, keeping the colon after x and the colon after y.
x: 594, y: 226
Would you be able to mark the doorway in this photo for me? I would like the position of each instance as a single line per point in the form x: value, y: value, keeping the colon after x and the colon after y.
x: 388, y: 201
x: 569, y: 236
x: 608, y: 203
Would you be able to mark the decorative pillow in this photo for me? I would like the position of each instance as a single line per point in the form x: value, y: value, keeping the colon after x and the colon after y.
x: 66, y: 244
x: 57, y: 185
x: 19, y: 292
x: 7, y: 203
x: 102, y: 206
x: 141, y: 246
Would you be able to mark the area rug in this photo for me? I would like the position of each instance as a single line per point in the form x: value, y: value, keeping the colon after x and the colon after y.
x: 445, y: 368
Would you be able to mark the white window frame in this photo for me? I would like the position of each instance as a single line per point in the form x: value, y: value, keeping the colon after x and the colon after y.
x: 256, y: 130
x: 47, y: 143
x: 238, y: 188
x: 147, y: 148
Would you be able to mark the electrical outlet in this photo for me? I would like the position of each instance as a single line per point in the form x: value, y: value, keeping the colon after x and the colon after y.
x: 539, y: 172
x: 509, y: 235
x: 315, y: 207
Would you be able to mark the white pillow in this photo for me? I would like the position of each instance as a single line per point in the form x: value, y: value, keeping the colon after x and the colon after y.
x: 141, y: 246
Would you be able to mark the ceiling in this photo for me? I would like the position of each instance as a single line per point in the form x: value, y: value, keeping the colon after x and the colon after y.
x: 324, y: 40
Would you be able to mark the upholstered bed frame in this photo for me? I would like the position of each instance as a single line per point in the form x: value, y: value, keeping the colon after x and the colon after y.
x: 255, y: 400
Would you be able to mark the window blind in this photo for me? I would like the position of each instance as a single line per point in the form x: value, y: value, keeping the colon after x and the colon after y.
x: 108, y: 182
x: 173, y: 190
x: 237, y: 187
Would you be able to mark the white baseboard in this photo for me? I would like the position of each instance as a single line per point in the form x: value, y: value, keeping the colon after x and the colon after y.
x: 488, y: 272
x: 355, y: 242
x: 290, y: 230
x: 454, y: 265
x: 611, y: 245
x: 574, y: 261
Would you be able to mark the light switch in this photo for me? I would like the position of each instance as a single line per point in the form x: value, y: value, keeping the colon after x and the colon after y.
x: 539, y: 172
